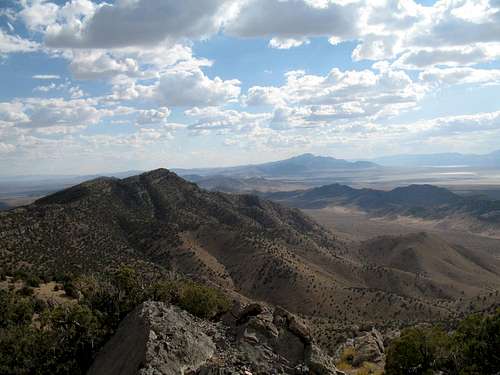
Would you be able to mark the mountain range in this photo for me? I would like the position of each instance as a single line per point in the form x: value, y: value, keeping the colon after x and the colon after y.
x: 248, y: 245
x: 301, y: 165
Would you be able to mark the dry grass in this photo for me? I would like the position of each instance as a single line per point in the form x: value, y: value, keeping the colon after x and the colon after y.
x: 44, y: 292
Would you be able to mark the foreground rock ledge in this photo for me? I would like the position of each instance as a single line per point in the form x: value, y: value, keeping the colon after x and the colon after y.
x: 159, y: 339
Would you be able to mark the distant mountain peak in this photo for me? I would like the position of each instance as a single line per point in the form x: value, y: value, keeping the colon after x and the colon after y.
x: 299, y: 165
x: 309, y: 156
x: 308, y: 163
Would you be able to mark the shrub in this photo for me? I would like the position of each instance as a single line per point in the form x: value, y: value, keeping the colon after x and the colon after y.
x: 203, y: 301
x: 14, y: 310
x: 20, y: 275
x: 475, y: 345
x: 418, y: 351
x: 471, y: 350
x: 39, y: 305
x: 33, y: 281
x: 165, y: 291
x: 26, y: 291
x: 71, y: 290
x: 77, y: 331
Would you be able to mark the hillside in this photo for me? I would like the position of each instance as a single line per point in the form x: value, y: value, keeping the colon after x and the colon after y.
x: 297, y: 166
x: 428, y: 257
x: 158, y: 222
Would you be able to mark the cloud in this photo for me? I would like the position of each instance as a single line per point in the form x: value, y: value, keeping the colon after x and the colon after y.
x: 12, y: 112
x: 311, y: 100
x: 451, y: 56
x: 452, y: 33
x: 56, y: 113
x: 6, y: 148
x: 456, y: 125
x: 286, y: 43
x: 73, y: 91
x: 142, y: 63
x: 139, y: 139
x: 38, y: 14
x: 46, y: 76
x: 294, y: 20
x: 191, y: 87
x: 95, y: 64
x: 47, y: 88
x: 458, y: 76
x: 459, y: 23
x: 140, y: 23
x: 215, y: 118
x: 15, y: 44
x: 152, y: 116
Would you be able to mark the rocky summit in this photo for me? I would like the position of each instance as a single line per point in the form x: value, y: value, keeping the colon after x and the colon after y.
x: 159, y: 339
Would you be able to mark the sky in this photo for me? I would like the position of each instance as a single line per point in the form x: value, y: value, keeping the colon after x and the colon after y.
x: 105, y: 86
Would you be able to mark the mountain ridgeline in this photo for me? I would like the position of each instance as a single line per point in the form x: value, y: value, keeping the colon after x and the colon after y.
x: 423, y: 201
x: 245, y: 244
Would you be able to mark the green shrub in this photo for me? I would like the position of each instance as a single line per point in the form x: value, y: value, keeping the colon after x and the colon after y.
x: 20, y: 275
x: 475, y: 345
x: 14, y: 309
x: 33, y: 281
x: 203, y: 301
x: 39, y: 305
x: 418, y: 351
x: 473, y: 349
x: 78, y: 331
x: 70, y: 290
x: 26, y: 291
x: 164, y: 291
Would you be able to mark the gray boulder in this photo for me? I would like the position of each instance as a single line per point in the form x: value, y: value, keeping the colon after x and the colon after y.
x: 155, y: 339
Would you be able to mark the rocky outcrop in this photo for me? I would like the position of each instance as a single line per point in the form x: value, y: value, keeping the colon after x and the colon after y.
x: 369, y: 347
x: 157, y: 339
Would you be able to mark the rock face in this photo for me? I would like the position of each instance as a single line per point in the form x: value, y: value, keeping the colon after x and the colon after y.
x: 157, y: 339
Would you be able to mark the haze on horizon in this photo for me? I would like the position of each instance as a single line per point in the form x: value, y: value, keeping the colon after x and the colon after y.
x: 91, y: 87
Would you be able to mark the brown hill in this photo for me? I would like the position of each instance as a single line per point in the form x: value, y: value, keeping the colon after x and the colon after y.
x: 159, y: 222
x: 437, y: 268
